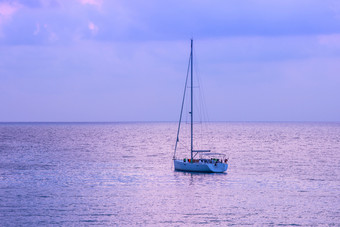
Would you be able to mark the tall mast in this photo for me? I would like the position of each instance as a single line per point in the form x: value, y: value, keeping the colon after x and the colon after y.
x: 192, y: 99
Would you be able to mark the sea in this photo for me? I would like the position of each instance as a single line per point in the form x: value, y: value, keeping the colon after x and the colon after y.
x: 121, y: 174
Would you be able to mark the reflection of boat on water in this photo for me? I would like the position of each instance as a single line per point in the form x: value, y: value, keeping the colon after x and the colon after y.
x: 207, y: 162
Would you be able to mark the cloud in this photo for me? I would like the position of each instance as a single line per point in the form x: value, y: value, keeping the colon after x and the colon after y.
x: 97, y: 3
x: 52, y: 36
x: 37, y: 29
x: 93, y: 28
x: 174, y: 20
x: 164, y: 20
x: 7, y: 9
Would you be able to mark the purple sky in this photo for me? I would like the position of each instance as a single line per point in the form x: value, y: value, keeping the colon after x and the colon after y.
x: 126, y: 60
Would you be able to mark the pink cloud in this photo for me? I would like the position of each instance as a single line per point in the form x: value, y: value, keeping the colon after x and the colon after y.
x: 52, y: 36
x: 97, y: 3
x: 7, y: 10
x: 93, y: 28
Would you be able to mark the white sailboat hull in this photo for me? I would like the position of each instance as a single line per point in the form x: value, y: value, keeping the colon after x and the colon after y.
x: 219, y: 167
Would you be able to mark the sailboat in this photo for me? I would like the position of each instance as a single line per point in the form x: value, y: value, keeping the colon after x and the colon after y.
x: 207, y: 162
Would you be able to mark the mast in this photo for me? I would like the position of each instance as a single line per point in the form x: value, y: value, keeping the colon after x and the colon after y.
x: 192, y: 99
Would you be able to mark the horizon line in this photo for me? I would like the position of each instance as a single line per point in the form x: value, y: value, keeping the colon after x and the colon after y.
x: 102, y: 122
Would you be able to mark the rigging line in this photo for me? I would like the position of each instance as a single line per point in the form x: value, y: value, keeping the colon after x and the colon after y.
x: 196, y: 102
x: 199, y: 119
x: 203, y: 113
x: 200, y: 107
x: 180, y: 116
x: 185, y: 146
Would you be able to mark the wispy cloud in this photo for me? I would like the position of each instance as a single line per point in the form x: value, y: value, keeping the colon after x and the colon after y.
x: 164, y: 20
x: 37, y: 29
x: 97, y: 3
x: 7, y: 9
x: 93, y: 28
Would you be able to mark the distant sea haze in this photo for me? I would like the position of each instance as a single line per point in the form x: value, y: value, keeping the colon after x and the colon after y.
x: 122, y: 174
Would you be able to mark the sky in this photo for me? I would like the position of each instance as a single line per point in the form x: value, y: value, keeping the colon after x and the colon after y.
x: 126, y: 60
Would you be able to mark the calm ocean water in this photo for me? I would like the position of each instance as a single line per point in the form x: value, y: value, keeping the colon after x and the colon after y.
x: 121, y: 174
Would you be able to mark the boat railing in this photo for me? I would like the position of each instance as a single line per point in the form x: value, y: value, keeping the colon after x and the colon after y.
x: 206, y: 160
x: 201, y: 151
